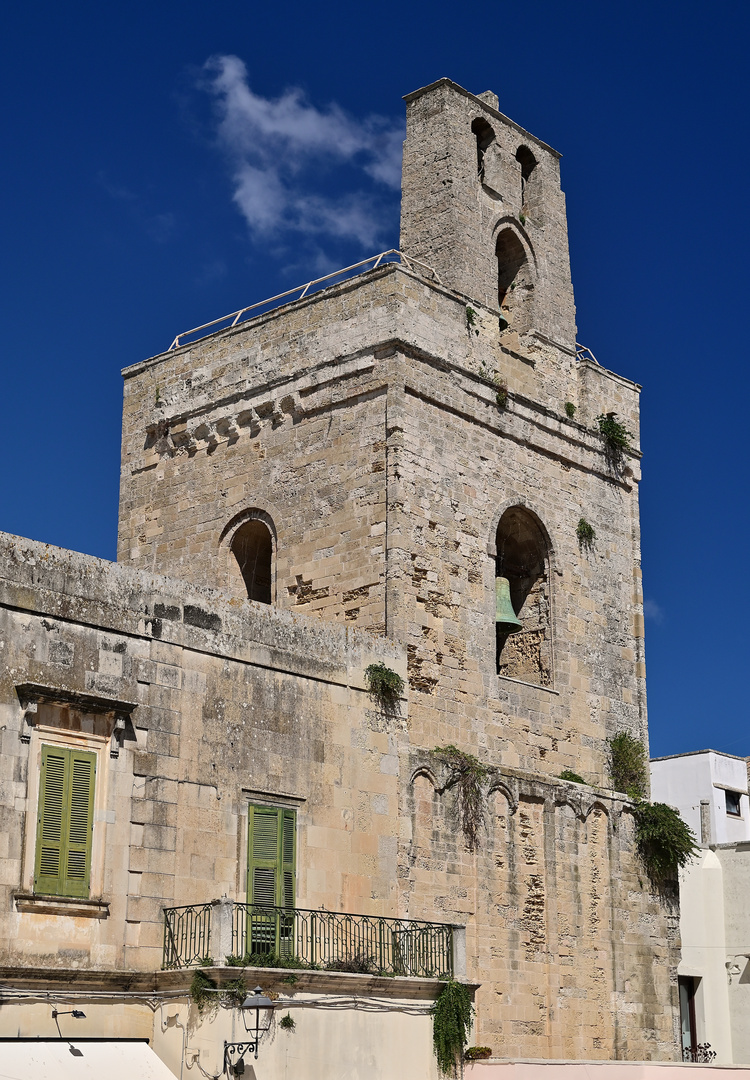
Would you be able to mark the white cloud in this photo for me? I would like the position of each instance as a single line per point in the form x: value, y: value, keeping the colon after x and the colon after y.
x: 653, y: 612
x: 277, y: 147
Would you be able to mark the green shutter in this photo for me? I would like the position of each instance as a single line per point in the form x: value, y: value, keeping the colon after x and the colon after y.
x: 287, y: 858
x: 263, y: 861
x: 65, y: 822
x: 271, y: 856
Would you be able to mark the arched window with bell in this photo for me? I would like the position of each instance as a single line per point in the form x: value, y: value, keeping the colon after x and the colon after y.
x: 522, y: 598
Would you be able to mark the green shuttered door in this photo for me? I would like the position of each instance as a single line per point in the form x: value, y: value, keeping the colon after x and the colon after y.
x: 271, y: 856
x: 65, y: 823
x: 270, y: 878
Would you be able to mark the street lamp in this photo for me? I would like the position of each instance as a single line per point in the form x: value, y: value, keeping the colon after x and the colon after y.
x: 256, y: 1025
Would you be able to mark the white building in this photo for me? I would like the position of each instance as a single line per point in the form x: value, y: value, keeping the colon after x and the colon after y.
x: 710, y: 790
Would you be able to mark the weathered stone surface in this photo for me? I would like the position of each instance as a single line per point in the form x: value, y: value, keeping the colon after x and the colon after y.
x: 363, y: 424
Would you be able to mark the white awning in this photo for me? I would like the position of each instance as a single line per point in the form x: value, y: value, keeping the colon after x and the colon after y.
x: 83, y: 1060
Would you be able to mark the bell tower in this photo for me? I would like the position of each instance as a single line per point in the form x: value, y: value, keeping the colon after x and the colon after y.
x: 482, y: 206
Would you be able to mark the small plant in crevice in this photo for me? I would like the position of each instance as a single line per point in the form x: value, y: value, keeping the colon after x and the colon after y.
x: 573, y: 777
x: 359, y: 963
x: 291, y: 980
x: 451, y: 1021
x: 203, y: 991
x: 522, y: 218
x: 206, y: 994
x: 616, y: 437
x: 585, y: 533
x: 467, y: 774
x: 383, y: 684
x: 570, y: 410
x: 270, y: 959
x: 477, y: 1053
x: 471, y: 321
x: 501, y: 395
x: 287, y: 1023
x: 664, y: 842
x: 628, y: 765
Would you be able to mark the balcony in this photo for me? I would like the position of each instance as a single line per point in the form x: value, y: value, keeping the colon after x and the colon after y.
x: 224, y: 931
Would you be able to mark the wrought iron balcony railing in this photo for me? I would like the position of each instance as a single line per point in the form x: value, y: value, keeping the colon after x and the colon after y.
x: 301, y: 938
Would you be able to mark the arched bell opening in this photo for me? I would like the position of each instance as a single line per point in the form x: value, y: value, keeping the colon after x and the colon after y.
x: 484, y: 136
x: 528, y: 164
x: 253, y: 549
x: 522, y: 620
x: 515, y: 282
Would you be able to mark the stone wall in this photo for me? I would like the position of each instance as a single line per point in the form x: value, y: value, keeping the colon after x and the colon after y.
x: 225, y: 702
x: 382, y: 428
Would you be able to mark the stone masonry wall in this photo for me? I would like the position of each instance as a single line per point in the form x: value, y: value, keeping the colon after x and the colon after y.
x: 451, y: 216
x: 232, y: 701
x: 370, y: 423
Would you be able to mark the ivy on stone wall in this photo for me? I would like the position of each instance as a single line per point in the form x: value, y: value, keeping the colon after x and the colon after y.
x: 385, y: 685
x: 467, y: 774
x: 451, y: 1022
x: 664, y: 842
x: 628, y: 765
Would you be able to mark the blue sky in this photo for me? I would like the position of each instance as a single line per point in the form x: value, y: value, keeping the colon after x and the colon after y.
x: 134, y: 205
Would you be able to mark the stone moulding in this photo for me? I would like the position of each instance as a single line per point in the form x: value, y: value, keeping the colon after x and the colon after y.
x: 156, y: 984
x: 514, y: 783
x: 32, y: 695
x: 61, y: 905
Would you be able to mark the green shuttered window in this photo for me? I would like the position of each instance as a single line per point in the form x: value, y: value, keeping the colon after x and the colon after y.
x: 65, y: 822
x: 271, y: 857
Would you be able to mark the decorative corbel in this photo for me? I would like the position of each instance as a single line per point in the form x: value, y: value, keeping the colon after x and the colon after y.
x: 30, y: 709
x: 118, y: 735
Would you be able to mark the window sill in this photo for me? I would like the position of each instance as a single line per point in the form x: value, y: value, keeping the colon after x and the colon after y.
x: 72, y: 906
x: 533, y: 685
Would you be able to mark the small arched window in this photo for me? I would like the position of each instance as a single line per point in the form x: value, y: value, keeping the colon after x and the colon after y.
x: 523, y: 558
x: 528, y: 163
x: 253, y: 548
x: 484, y: 135
x: 514, y: 280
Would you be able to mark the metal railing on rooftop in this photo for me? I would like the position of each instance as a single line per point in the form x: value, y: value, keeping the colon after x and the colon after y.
x: 262, y: 306
x: 582, y: 353
x: 300, y: 938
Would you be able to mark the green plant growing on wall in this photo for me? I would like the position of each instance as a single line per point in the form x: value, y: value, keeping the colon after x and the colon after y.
x: 585, y: 533
x: 270, y: 959
x: 477, y: 1053
x: 471, y: 320
x: 522, y: 218
x: 573, y: 777
x: 570, y: 409
x: 385, y: 685
x: 628, y: 765
x: 287, y: 1023
x: 467, y: 774
x: 616, y: 437
x: 664, y: 843
x: 501, y: 397
x: 206, y: 994
x: 203, y: 991
x: 451, y: 1021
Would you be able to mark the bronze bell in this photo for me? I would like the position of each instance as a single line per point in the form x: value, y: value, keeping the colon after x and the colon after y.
x: 505, y: 616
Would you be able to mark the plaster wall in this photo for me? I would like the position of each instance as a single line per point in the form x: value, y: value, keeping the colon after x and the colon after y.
x: 684, y: 780
x: 735, y: 864
x: 703, y: 936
